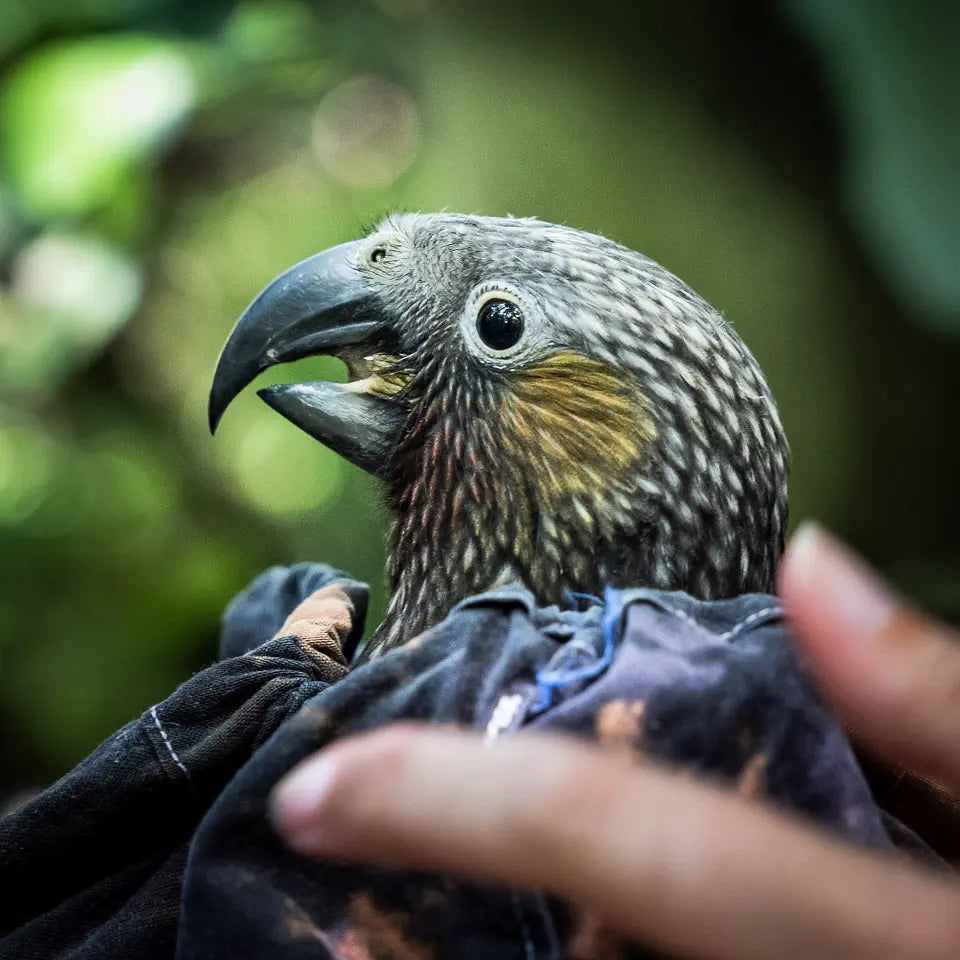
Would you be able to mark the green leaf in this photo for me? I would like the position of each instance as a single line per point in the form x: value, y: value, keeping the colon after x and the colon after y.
x: 75, y: 117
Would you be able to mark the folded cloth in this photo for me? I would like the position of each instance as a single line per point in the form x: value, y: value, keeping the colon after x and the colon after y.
x: 93, y: 866
x: 160, y: 837
x: 714, y: 687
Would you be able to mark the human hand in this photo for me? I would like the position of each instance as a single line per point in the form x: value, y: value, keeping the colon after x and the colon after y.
x: 675, y: 864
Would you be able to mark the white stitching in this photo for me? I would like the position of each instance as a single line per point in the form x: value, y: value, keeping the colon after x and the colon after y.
x: 166, y: 741
x: 683, y: 615
x: 738, y: 628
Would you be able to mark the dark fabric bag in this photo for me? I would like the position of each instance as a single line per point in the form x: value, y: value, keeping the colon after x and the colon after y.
x: 93, y: 867
x: 157, y: 844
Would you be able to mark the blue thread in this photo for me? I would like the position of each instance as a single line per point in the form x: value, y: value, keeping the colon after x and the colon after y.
x: 572, y: 598
x: 550, y: 681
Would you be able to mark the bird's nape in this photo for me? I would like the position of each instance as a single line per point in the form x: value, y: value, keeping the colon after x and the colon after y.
x: 542, y: 404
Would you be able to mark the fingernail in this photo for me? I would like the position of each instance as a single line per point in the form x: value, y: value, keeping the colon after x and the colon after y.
x: 845, y: 588
x: 296, y: 805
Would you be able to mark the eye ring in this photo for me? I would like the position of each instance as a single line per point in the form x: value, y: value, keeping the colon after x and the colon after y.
x: 378, y: 254
x: 500, y: 324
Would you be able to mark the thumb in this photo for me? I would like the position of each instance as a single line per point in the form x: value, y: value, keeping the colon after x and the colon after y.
x: 893, y: 673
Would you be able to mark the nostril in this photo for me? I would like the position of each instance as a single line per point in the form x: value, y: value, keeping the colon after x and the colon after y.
x: 377, y: 254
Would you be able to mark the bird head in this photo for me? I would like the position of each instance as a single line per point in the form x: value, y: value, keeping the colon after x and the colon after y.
x: 543, y: 405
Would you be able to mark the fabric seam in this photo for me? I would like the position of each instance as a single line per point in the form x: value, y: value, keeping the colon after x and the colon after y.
x: 734, y: 631
x: 738, y: 628
x: 166, y: 742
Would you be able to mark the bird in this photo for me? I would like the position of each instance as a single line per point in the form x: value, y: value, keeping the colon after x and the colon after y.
x: 543, y: 406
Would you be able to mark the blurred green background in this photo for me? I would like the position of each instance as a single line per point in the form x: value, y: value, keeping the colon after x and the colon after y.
x: 160, y: 160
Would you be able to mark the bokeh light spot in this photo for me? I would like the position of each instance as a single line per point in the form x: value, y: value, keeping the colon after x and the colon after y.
x: 76, y: 116
x: 366, y: 132
x: 92, y: 286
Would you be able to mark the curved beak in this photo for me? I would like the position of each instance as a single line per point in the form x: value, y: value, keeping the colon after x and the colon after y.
x: 319, y: 306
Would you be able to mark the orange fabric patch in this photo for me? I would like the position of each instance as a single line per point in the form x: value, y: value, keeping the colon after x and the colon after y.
x: 323, y: 621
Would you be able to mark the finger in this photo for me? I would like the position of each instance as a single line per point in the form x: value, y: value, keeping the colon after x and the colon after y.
x: 893, y: 674
x: 671, y: 863
x: 324, y: 620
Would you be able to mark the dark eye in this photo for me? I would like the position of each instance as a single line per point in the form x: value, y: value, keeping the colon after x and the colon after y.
x: 500, y: 324
x: 377, y: 254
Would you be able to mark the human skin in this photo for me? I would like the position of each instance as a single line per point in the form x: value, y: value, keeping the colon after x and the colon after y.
x: 669, y: 862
